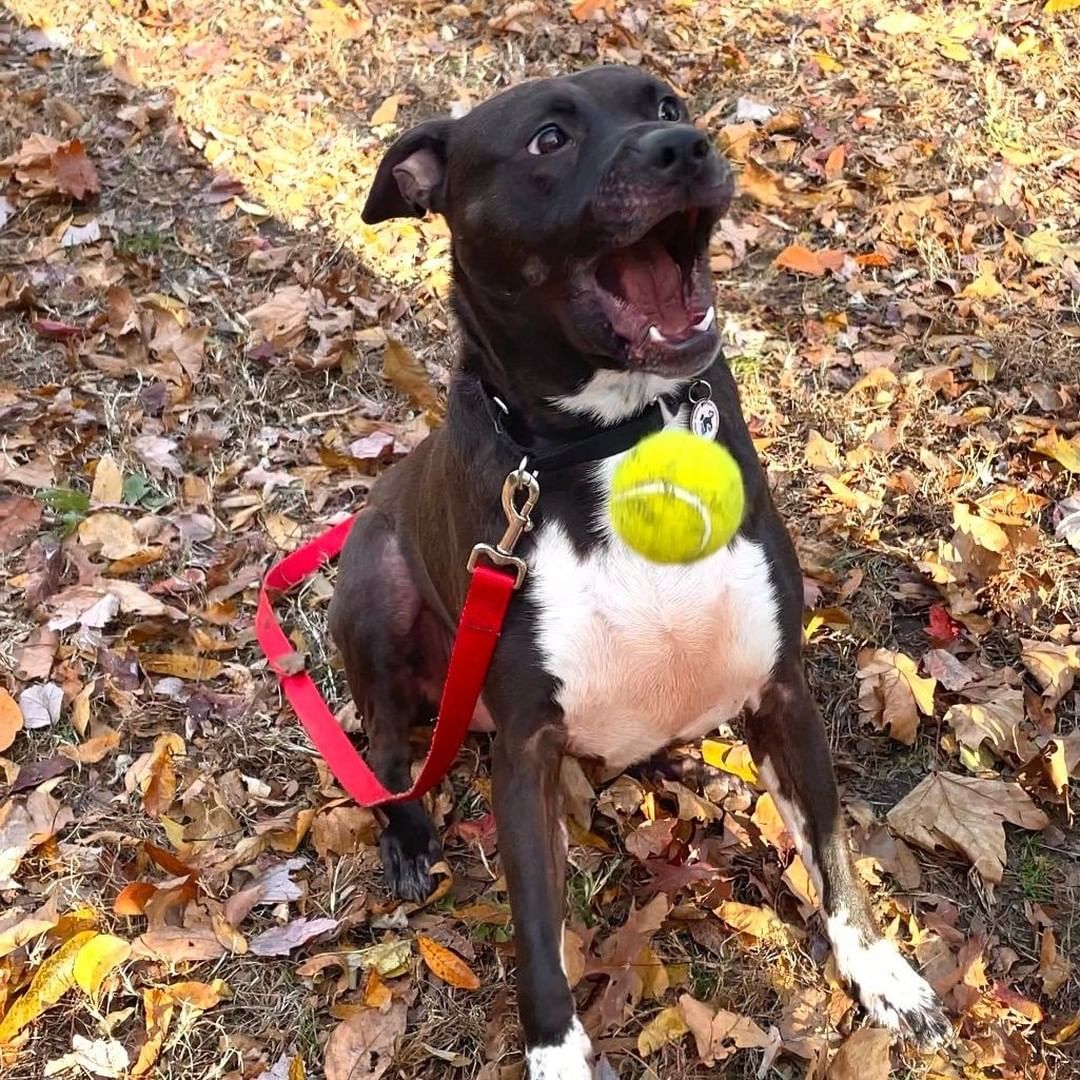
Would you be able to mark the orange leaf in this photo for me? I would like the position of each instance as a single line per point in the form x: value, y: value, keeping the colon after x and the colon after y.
x: 447, y: 965
x: 873, y: 258
x: 11, y: 719
x: 834, y: 163
x: 132, y: 899
x: 800, y: 260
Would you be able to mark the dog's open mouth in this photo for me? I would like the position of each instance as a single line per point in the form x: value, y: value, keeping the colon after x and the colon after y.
x: 656, y: 291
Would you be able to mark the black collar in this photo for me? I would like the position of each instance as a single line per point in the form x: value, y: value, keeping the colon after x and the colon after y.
x: 559, y: 449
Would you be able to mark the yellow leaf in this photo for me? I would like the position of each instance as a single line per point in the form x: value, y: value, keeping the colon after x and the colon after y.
x: 953, y: 50
x: 386, y: 113
x: 51, y: 982
x: 985, y: 287
x: 1055, y: 7
x: 902, y: 22
x: 296, y: 1068
x: 826, y: 62
x: 158, y: 1007
x: 198, y: 996
x: 1064, y: 451
x: 284, y: 531
x: 447, y: 965
x: 182, y: 665
x: 100, y: 956
x: 732, y: 757
x: 108, y: 481
x: 665, y: 1027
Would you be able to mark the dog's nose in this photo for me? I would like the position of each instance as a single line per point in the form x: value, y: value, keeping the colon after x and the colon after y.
x: 675, y: 151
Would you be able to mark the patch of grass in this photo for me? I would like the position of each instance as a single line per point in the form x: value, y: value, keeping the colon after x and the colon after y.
x: 142, y: 243
x: 1035, y: 872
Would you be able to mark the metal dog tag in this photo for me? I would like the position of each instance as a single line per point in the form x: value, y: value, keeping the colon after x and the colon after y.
x: 705, y: 416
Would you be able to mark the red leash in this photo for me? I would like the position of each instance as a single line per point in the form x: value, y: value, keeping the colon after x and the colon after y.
x: 481, y: 621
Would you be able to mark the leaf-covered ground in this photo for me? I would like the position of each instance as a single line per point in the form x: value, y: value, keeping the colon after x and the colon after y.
x: 204, y: 358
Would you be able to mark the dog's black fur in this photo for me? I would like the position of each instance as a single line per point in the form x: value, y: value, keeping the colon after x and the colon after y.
x: 550, y: 233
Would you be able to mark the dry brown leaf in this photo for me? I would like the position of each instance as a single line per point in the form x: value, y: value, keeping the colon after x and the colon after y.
x: 1054, y: 968
x: 102, y: 742
x: 446, y: 964
x: 719, y: 1034
x: 108, y: 481
x: 111, y: 533
x: 892, y: 693
x: 177, y: 944
x: 182, y: 665
x: 282, y: 320
x: 74, y: 171
x: 362, y: 1047
x: 19, y: 519
x: 966, y: 815
x: 21, y: 932
x: 410, y: 377
x: 1054, y: 666
x: 864, y: 1056
x: 996, y: 722
x: 281, y: 940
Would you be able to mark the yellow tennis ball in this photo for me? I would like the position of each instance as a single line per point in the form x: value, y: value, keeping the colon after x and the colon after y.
x: 677, y: 497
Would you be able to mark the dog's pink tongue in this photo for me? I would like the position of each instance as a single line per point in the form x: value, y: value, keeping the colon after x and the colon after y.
x: 650, y: 280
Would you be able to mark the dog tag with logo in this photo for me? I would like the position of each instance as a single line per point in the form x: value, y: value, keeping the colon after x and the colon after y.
x: 704, y: 416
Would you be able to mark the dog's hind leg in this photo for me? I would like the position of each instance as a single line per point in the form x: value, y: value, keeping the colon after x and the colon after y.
x: 373, y: 620
x: 787, y: 740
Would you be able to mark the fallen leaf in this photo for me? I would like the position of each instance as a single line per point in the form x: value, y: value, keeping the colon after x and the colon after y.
x: 362, y: 1047
x: 112, y: 533
x: 1067, y: 521
x: 1056, y: 7
x: 282, y: 320
x: 41, y: 705
x: 158, y: 1009
x: 1054, y: 969
x: 996, y: 722
x: 754, y: 923
x: 132, y: 898
x: 864, y: 1056
x: 176, y: 944
x: 156, y: 452
x: 966, y: 814
x: 902, y: 22
x: 29, y: 928
x: 97, y: 959
x: 11, y: 719
x: 182, y: 665
x: 386, y: 113
x: 731, y: 757
x: 1065, y: 452
x: 407, y: 375
x: 800, y: 260
x: 74, y: 171
x: 281, y: 940
x: 893, y: 694
x: 108, y: 484
x: 447, y: 965
x: 99, y: 1057
x: 19, y: 519
x: 102, y: 742
x: 667, y: 1026
x: 1054, y: 667
x: 719, y: 1034
x: 50, y: 983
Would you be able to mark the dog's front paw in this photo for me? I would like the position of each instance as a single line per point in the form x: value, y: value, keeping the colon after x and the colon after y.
x: 894, y: 995
x: 407, y: 858
x: 569, y: 1059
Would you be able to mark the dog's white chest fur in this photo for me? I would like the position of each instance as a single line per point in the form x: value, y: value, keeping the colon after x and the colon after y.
x: 648, y: 654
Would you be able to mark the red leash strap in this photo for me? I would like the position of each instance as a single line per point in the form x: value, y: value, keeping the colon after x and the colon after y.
x: 478, y: 631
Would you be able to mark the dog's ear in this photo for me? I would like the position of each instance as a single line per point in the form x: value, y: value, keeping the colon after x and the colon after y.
x: 411, y: 179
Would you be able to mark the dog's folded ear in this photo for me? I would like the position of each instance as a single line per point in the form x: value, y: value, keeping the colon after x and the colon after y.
x: 411, y: 178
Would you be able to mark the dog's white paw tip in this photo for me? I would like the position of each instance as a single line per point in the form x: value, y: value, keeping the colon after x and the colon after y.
x: 569, y: 1059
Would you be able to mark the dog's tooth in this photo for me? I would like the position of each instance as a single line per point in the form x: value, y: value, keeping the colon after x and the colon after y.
x: 656, y: 336
x: 706, y: 320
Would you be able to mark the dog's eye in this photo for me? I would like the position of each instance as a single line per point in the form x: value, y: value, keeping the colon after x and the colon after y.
x: 548, y: 139
x: 669, y: 109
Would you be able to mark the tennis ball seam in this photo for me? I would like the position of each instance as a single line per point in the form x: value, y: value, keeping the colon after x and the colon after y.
x: 661, y: 487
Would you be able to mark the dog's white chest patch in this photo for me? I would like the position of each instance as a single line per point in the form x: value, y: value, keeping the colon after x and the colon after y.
x: 648, y: 654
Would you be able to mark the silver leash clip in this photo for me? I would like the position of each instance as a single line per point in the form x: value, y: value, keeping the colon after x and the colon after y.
x: 520, y: 494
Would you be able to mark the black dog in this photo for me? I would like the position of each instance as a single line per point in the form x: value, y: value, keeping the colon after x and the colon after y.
x: 580, y: 210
